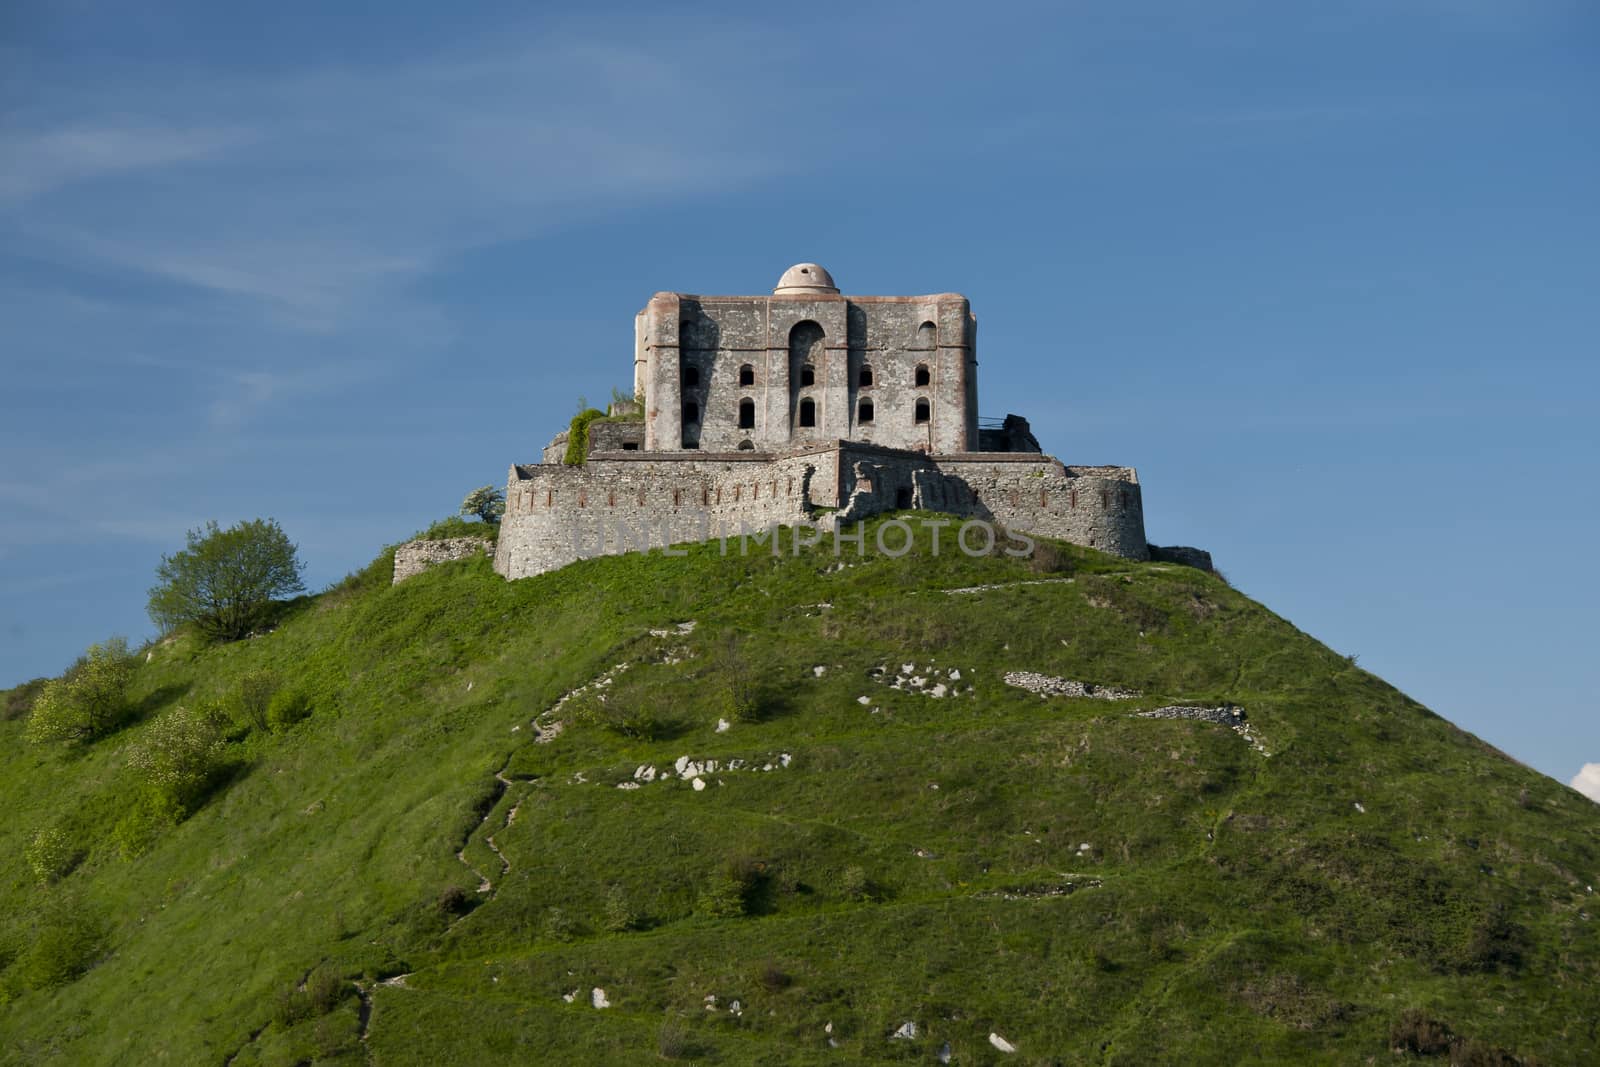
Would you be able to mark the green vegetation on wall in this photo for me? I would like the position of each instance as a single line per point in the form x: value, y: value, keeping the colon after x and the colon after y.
x: 578, y: 436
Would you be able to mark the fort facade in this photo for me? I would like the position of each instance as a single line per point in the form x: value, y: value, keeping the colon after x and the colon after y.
x: 805, y: 406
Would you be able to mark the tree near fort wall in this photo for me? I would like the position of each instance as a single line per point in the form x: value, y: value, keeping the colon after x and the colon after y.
x: 486, y: 503
x: 224, y: 581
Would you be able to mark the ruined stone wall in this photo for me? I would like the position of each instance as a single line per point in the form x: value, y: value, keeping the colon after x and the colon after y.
x: 629, y: 501
x: 1100, y: 507
x: 414, y: 557
x: 724, y: 373
x: 555, y: 515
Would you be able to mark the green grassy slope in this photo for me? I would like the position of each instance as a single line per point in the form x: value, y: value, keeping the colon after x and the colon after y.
x: 910, y: 859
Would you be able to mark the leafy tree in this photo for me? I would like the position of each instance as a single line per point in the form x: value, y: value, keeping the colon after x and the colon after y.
x: 88, y: 699
x: 225, y: 579
x: 486, y: 502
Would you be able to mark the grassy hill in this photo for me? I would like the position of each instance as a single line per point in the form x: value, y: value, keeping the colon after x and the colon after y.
x: 429, y: 869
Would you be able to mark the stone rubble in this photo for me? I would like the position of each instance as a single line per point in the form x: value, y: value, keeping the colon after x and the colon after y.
x: 1006, y: 585
x: 931, y: 681
x: 1045, y: 685
x: 1228, y: 715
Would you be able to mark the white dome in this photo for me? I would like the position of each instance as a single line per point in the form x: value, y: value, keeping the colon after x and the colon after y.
x: 805, y: 278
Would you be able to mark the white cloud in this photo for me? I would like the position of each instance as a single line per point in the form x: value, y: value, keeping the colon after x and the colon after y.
x: 1587, y: 781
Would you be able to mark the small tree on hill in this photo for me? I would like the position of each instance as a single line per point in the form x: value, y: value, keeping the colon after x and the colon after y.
x: 180, y: 753
x: 486, y: 502
x: 88, y: 699
x: 225, y: 579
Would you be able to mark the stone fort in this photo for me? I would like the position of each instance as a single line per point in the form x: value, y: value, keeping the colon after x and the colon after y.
x: 800, y: 407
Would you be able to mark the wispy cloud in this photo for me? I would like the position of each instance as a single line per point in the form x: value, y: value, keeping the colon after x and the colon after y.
x: 324, y: 192
x: 35, y: 163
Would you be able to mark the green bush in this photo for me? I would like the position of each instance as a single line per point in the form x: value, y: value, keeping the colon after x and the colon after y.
x: 325, y: 990
x: 619, y: 916
x: 86, y: 701
x: 727, y: 896
x: 854, y: 884
x: 739, y: 691
x: 181, y: 754
x: 66, y: 944
x: 150, y: 815
x: 1417, y: 1033
x: 253, y: 698
x: 624, y: 714
x: 287, y: 707
x: 51, y: 855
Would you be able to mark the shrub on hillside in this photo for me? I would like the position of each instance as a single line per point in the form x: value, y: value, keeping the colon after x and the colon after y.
x: 324, y: 990
x: 150, y: 815
x: 627, y: 714
x: 181, y: 754
x: 1047, y: 558
x: 739, y: 693
x: 287, y: 707
x: 619, y: 916
x: 66, y: 943
x: 1417, y: 1033
x: 253, y: 698
x: 19, y: 701
x: 86, y: 701
x: 51, y: 855
x: 224, y: 581
x: 728, y: 894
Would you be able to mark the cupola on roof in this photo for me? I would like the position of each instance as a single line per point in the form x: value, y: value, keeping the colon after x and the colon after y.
x: 805, y: 278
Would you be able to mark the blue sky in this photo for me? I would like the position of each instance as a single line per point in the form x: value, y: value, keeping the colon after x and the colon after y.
x: 1326, y: 274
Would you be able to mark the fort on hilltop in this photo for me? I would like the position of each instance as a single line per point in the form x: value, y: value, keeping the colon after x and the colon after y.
x: 802, y: 407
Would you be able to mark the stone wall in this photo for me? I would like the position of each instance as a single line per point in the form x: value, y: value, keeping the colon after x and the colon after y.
x: 1183, y: 555
x: 629, y: 501
x: 414, y: 557
x: 556, y: 514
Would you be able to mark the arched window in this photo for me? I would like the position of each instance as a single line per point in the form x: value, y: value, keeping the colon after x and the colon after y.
x: 807, y: 348
x: 866, y: 376
x: 922, y: 410
x: 746, y: 446
x: 691, y: 376
x: 747, y: 414
x: 808, y: 412
x: 922, y: 374
x: 864, y: 412
x: 927, y: 336
x: 747, y: 375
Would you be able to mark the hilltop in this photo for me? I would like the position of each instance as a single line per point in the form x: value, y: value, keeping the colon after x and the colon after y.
x: 756, y: 810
